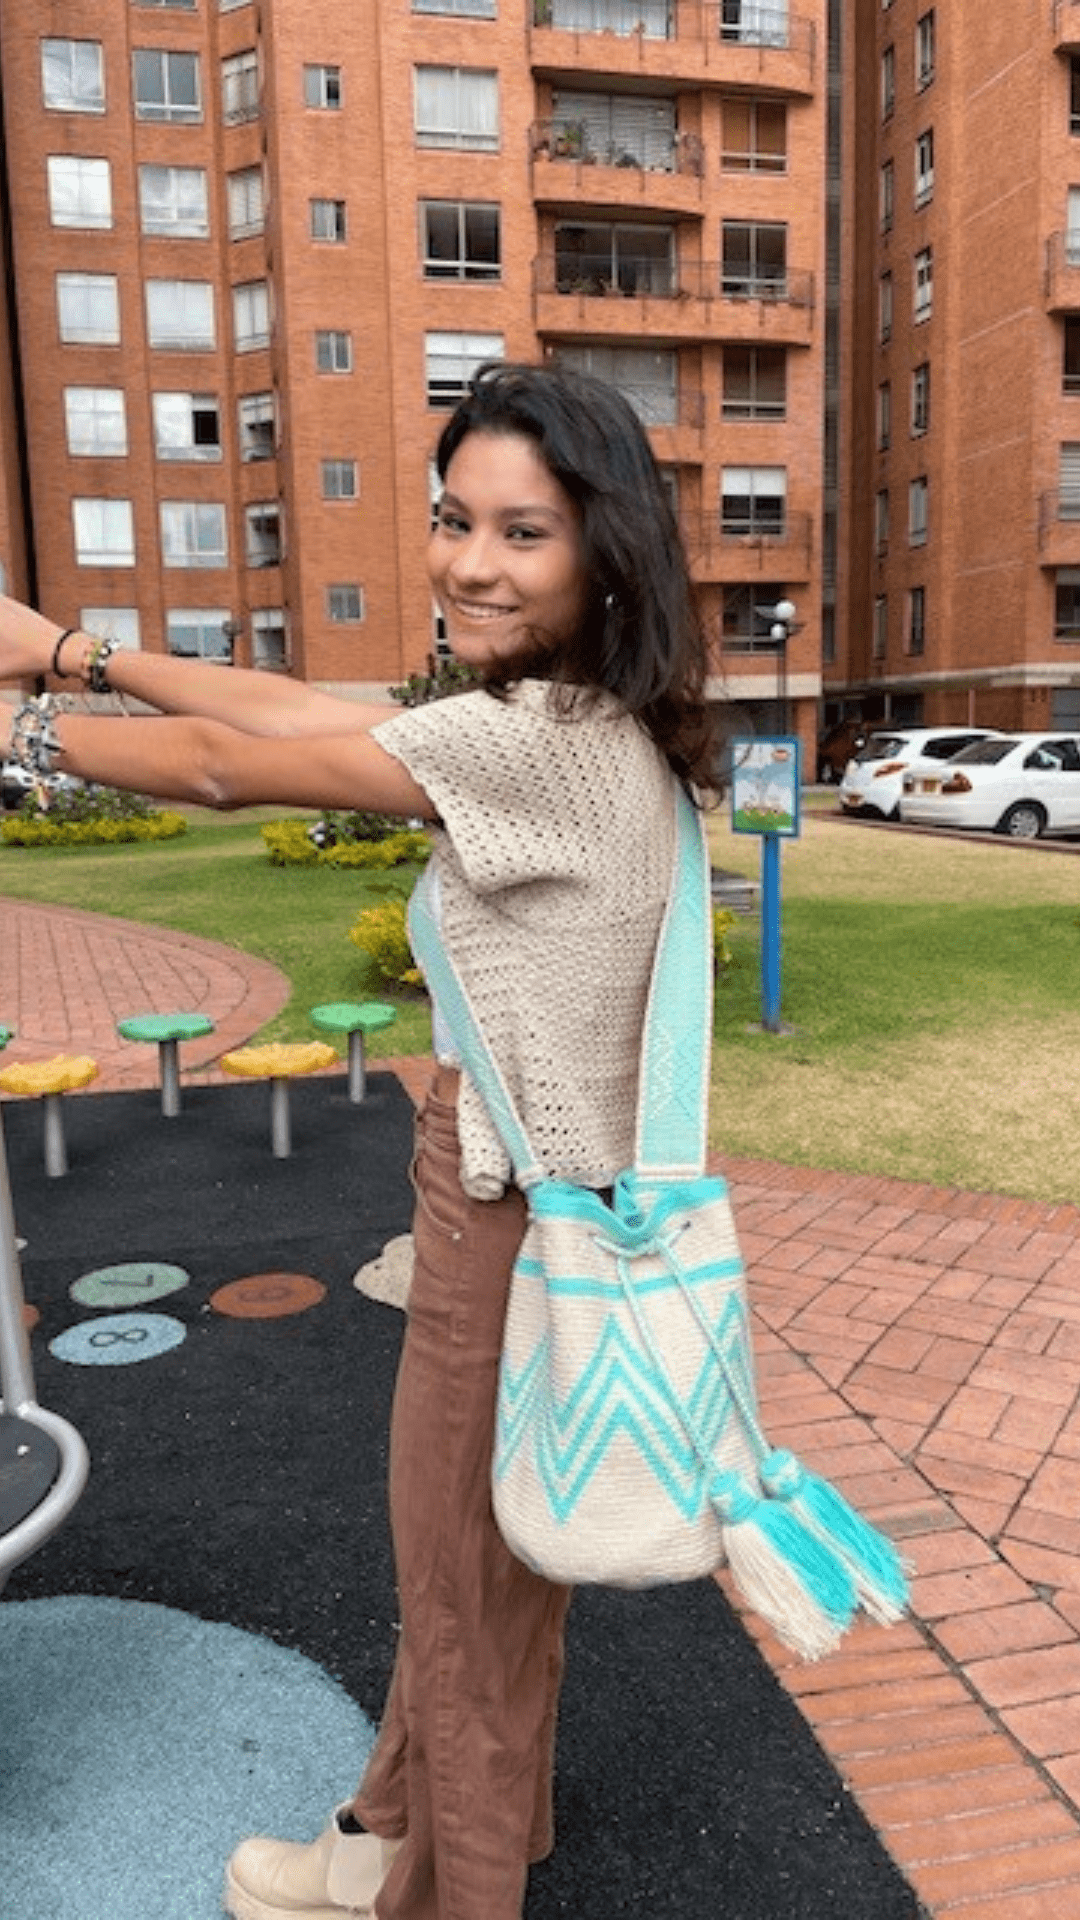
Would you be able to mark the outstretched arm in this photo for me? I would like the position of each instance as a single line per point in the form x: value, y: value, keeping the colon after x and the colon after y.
x: 270, y: 705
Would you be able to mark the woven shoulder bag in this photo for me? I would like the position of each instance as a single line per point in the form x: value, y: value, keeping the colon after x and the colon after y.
x: 628, y: 1448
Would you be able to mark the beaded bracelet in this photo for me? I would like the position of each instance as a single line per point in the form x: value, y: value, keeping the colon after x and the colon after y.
x: 34, y: 742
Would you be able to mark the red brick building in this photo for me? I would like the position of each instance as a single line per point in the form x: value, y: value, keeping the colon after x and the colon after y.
x: 255, y: 251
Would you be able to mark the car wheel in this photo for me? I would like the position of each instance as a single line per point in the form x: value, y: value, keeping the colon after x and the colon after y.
x: 1024, y: 821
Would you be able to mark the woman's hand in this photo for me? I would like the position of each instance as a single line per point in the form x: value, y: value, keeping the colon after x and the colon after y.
x: 27, y: 641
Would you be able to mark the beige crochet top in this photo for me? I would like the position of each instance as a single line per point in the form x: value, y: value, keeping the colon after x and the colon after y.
x: 554, y: 853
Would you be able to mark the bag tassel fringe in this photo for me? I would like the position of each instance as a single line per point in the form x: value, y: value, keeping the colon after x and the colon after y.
x: 783, y: 1569
x: 876, y: 1568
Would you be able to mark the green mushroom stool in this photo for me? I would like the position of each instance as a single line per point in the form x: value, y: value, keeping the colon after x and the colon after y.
x: 354, y: 1018
x: 167, y: 1029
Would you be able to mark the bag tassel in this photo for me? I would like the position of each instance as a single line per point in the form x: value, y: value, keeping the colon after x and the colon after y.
x: 874, y: 1564
x: 783, y: 1570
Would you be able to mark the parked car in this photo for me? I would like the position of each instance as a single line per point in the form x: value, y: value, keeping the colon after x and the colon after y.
x: 873, y: 780
x: 16, y: 782
x: 1023, y: 784
x: 836, y: 746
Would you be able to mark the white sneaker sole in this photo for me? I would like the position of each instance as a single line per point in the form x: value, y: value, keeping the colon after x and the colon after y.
x: 243, y: 1905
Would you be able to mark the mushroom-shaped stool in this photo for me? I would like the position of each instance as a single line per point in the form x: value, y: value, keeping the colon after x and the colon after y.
x: 354, y: 1018
x: 167, y: 1029
x: 279, y: 1063
x: 6, y: 1034
x: 49, y: 1080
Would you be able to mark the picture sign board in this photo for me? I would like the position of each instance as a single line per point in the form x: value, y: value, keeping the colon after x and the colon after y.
x: 765, y: 786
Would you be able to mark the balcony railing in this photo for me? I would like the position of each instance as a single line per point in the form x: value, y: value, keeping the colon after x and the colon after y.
x: 652, y: 279
x: 761, y: 25
x: 568, y: 141
x: 734, y: 542
x: 1060, y: 507
x: 1063, y: 271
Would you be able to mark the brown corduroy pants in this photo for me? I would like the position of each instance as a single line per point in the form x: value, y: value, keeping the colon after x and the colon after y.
x: 462, y: 1768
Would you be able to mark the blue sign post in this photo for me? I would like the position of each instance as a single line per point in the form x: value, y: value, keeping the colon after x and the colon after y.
x: 765, y: 800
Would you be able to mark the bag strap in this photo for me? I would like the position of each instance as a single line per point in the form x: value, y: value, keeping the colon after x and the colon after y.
x: 673, y: 1079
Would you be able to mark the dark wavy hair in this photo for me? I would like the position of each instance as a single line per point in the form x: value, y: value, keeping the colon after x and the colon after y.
x: 640, y: 638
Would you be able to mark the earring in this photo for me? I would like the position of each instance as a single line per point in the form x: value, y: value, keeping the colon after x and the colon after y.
x: 610, y: 603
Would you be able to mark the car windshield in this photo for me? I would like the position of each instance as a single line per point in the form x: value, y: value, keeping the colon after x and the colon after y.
x: 983, y: 753
x: 881, y: 746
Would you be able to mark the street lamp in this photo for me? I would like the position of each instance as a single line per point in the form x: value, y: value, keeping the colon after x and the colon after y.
x: 781, y: 620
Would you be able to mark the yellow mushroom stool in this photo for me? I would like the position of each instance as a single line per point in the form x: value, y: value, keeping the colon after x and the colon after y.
x: 49, y: 1080
x: 278, y: 1063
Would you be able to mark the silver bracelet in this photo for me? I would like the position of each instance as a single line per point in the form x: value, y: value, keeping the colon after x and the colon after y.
x: 34, y: 742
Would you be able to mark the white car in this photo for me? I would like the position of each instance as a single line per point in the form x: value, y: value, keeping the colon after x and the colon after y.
x: 873, y: 780
x: 1023, y: 784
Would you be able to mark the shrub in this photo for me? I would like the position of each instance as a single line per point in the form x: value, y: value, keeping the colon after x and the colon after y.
x: 82, y: 816
x: 380, y: 933
x: 722, y: 922
x: 289, y: 844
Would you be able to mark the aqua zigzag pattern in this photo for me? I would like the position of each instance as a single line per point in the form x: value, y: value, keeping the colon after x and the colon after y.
x: 620, y: 1393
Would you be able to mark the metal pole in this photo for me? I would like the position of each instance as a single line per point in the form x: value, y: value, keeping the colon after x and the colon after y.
x: 357, y: 1074
x: 280, y: 1139
x: 770, y: 932
x: 170, y: 1078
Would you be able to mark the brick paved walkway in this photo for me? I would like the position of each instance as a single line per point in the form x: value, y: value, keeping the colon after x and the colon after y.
x: 921, y: 1345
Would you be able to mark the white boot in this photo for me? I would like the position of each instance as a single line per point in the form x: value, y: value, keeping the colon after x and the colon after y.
x: 338, y: 1874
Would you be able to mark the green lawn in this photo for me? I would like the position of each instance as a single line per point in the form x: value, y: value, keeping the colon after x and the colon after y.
x: 932, y: 986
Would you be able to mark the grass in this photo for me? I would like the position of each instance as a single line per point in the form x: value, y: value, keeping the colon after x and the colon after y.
x: 930, y: 986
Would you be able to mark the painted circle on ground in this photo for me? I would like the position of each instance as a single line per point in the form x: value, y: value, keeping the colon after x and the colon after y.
x: 118, y: 1340
x: 268, y: 1296
x: 135, y: 1283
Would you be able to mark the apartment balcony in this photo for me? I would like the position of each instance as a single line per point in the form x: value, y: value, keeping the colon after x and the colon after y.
x: 1062, y: 274
x: 1058, y: 520
x: 568, y: 172
x: 731, y: 43
x: 779, y: 548
x: 1066, y: 26
x: 700, y: 300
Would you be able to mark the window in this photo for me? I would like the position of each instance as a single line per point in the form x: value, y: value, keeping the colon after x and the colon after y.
x: 916, y: 620
x: 166, y: 85
x: 924, y: 50
x: 451, y: 359
x: 322, y: 88
x: 752, y: 501
x: 593, y: 256
x: 113, y: 623
x: 80, y: 191
x: 754, y: 259
x: 881, y: 521
x: 187, y: 426
x: 653, y: 19
x: 340, y: 479
x: 920, y: 399
x: 104, y: 533
x: 885, y: 307
x: 173, y: 201
x: 884, y: 416
x: 251, y: 315
x: 333, y: 351
x: 193, y: 534
x: 327, y: 218
x: 459, y: 240
x: 886, y: 196
x: 180, y: 315
x: 199, y: 633
x: 457, y: 107
x: 73, y: 76
x: 345, y: 604
x: 1068, y: 503
x: 1070, y: 356
x: 880, y: 637
x: 262, y: 534
x: 1072, y: 227
x: 1067, y: 603
x: 474, y: 9
x: 888, y: 82
x: 924, y: 167
x: 96, y: 420
x: 244, y: 193
x: 745, y: 627
x: 240, y: 87
x: 755, y: 23
x: 256, y: 422
x: 612, y: 129
x: 918, y: 511
x: 269, y: 640
x: 924, y: 283
x: 648, y: 377
x: 88, y: 309
x: 755, y: 383
x: 754, y: 136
